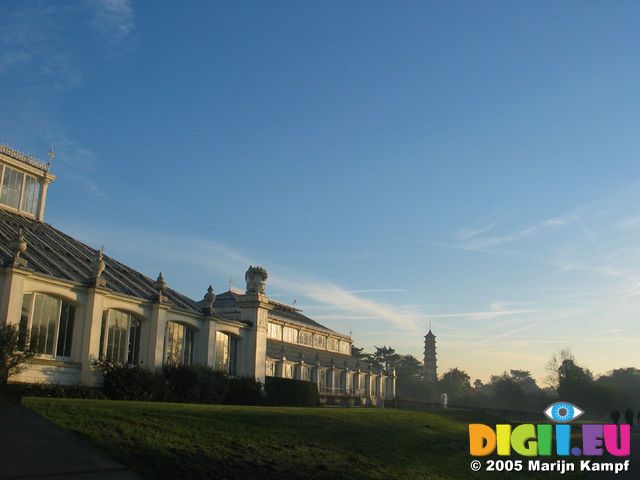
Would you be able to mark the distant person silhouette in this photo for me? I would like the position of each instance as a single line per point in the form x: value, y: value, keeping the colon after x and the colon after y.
x: 615, y: 416
x: 628, y: 416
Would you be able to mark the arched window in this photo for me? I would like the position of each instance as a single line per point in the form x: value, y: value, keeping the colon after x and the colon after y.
x: 225, y: 353
x: 46, y: 325
x: 120, y: 337
x: 179, y: 343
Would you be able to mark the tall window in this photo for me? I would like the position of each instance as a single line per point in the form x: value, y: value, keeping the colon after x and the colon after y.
x: 290, y: 334
x: 46, y: 325
x: 287, y: 370
x: 11, y: 187
x: 225, y: 353
x: 271, y: 368
x: 305, y: 338
x: 274, y: 331
x: 120, y: 337
x: 30, y: 194
x: 179, y: 342
x: 306, y: 374
x: 345, y: 347
x: 320, y: 341
x: 332, y: 344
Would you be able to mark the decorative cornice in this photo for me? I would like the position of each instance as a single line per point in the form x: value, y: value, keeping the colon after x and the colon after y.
x: 23, y: 157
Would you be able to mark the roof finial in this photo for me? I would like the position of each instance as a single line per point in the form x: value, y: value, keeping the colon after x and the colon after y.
x: 51, y: 155
x: 160, y: 286
x: 18, y: 246
x: 97, y: 268
x: 207, y: 301
x: 256, y: 278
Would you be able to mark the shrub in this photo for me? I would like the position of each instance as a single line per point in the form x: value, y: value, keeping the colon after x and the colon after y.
x: 195, y: 384
x: 127, y: 382
x: 288, y: 392
x: 245, y: 391
x: 54, y: 390
x: 184, y: 384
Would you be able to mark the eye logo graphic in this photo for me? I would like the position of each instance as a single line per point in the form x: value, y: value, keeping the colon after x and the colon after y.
x: 563, y: 412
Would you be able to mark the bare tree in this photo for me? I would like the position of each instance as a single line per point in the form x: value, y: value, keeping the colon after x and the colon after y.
x: 554, y: 366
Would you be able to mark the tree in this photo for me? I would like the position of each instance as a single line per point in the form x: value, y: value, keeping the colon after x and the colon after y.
x: 409, y: 367
x: 627, y: 380
x: 554, y: 366
x: 455, y: 383
x: 410, y: 378
x: 572, y: 377
x: 10, y: 357
x: 524, y: 379
x: 357, y: 352
x: 384, y: 358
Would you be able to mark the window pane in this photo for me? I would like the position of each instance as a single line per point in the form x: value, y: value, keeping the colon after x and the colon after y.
x: 45, y: 317
x: 30, y: 194
x: 122, y: 343
x: 222, y: 352
x: 271, y: 369
x: 320, y: 341
x: 225, y: 353
x: 290, y: 334
x: 65, y: 331
x: 11, y: 185
x: 305, y: 338
x: 332, y: 344
x: 134, y: 342
x: 23, y: 329
x: 179, y: 344
x: 274, y: 331
x: 189, y: 338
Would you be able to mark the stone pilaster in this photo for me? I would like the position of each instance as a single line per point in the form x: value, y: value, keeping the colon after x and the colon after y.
x: 157, y: 332
x: 11, y: 295
x: 254, y: 311
x: 345, y: 384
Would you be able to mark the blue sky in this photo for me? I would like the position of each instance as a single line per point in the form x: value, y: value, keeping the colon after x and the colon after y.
x: 470, y: 164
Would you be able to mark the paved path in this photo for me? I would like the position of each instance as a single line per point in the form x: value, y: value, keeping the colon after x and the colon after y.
x: 31, y: 447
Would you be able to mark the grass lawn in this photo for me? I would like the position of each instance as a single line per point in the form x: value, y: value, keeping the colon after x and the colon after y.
x: 162, y: 440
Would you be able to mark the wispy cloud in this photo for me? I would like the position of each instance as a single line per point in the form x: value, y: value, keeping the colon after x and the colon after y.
x: 469, y: 232
x: 524, y: 233
x: 39, y: 44
x: 113, y: 18
x: 227, y: 261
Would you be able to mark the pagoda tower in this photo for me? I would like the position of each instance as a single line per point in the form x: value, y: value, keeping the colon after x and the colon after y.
x: 430, y: 362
